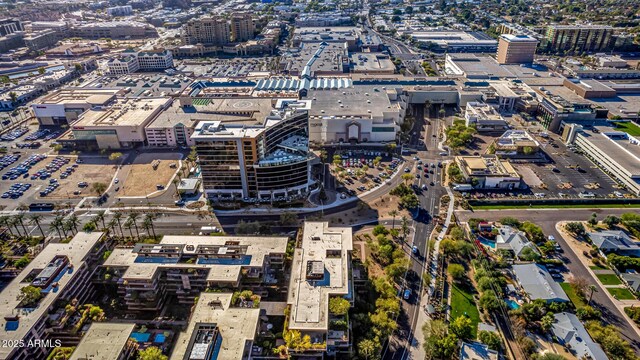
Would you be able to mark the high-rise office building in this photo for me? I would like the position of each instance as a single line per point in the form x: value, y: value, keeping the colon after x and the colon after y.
x: 516, y: 49
x: 213, y: 31
x: 578, y: 38
x: 242, y: 27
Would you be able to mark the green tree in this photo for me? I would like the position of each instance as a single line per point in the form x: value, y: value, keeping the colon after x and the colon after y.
x: 611, y: 221
x: 99, y: 188
x: 89, y: 227
x: 339, y: 306
x: 489, y: 302
x: 151, y: 353
x: 369, y: 348
x: 115, y: 156
x: 461, y: 327
x: 457, y: 272
x: 510, y: 221
x: 575, y: 228
x: 490, y: 339
x: 29, y: 296
x: 550, y: 356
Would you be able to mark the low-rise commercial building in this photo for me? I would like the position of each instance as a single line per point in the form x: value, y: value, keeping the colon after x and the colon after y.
x: 114, y: 30
x: 516, y: 143
x: 455, y: 41
x: 616, y: 152
x: 184, y: 266
x: 321, y: 269
x: 488, y: 172
x: 131, y: 61
x: 268, y: 159
x: 61, y: 273
x: 560, y: 105
x: 116, y: 126
x: 484, y: 117
x: 63, y: 107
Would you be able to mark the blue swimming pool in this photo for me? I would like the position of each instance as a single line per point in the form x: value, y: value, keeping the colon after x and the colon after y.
x: 160, y: 338
x: 487, y: 242
x: 140, y: 337
x: 512, y: 304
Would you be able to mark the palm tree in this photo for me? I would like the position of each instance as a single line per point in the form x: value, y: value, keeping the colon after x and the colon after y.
x: 117, y: 216
x: 35, y: 220
x: 100, y: 216
x: 58, y: 225
x: 427, y: 107
x: 592, y: 289
x: 129, y: 225
x: 148, y: 223
x: 393, y: 213
x: 175, y: 183
x: 74, y: 222
x: 13, y: 221
x: 134, y: 218
x: 20, y: 220
x: 405, y: 227
x: 6, y: 222
x: 67, y: 226
x: 111, y: 225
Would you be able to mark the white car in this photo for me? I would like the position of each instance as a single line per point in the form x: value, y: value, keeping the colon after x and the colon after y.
x: 116, y: 181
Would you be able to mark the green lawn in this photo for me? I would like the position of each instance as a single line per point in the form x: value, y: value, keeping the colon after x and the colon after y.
x: 538, y: 206
x: 596, y: 267
x: 621, y: 293
x: 609, y: 279
x: 628, y: 127
x: 462, y: 304
x: 577, y: 301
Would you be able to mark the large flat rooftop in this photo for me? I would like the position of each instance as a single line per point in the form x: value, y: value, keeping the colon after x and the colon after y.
x: 367, y: 101
x: 324, y: 250
x: 474, y: 66
x: 141, y: 267
x: 620, y: 146
x: 235, y: 327
x: 76, y: 251
x: 90, y: 96
x: 125, y: 112
x: 103, y: 341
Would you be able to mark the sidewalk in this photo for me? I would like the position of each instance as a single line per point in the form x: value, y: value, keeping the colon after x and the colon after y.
x: 416, y: 350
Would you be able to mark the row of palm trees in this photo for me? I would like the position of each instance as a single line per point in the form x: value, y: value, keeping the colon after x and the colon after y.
x: 15, y: 224
x: 119, y: 222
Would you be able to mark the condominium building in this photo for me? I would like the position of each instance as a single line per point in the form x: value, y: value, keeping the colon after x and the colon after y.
x: 106, y: 341
x: 321, y: 269
x: 516, y: 49
x: 61, y: 273
x: 182, y: 267
x: 242, y: 27
x: 266, y: 160
x: 484, y: 117
x: 212, y: 31
x: 63, y: 107
x: 578, y: 38
x: 218, y: 330
x: 616, y: 152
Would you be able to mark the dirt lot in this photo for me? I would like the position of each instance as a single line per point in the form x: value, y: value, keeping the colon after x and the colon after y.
x: 91, y: 173
x: 140, y: 178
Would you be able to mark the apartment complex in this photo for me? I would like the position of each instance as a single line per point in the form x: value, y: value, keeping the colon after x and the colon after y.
x: 266, y: 160
x: 62, y: 272
x: 217, y: 330
x: 212, y: 31
x: 616, y: 152
x: 578, y: 38
x: 184, y: 266
x: 242, y: 27
x: 488, y: 172
x: 321, y: 269
x: 516, y: 49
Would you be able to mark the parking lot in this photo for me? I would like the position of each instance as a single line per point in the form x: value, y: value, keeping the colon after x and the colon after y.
x: 361, y: 170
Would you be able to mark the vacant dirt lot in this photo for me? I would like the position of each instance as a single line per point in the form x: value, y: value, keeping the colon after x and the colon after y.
x: 140, y: 178
x: 89, y: 172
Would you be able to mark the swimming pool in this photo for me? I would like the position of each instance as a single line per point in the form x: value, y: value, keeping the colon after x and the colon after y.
x: 160, y: 338
x: 140, y: 337
x: 512, y: 304
x: 487, y: 242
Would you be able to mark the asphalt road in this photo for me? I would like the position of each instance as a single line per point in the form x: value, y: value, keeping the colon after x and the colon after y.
x: 547, y: 220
